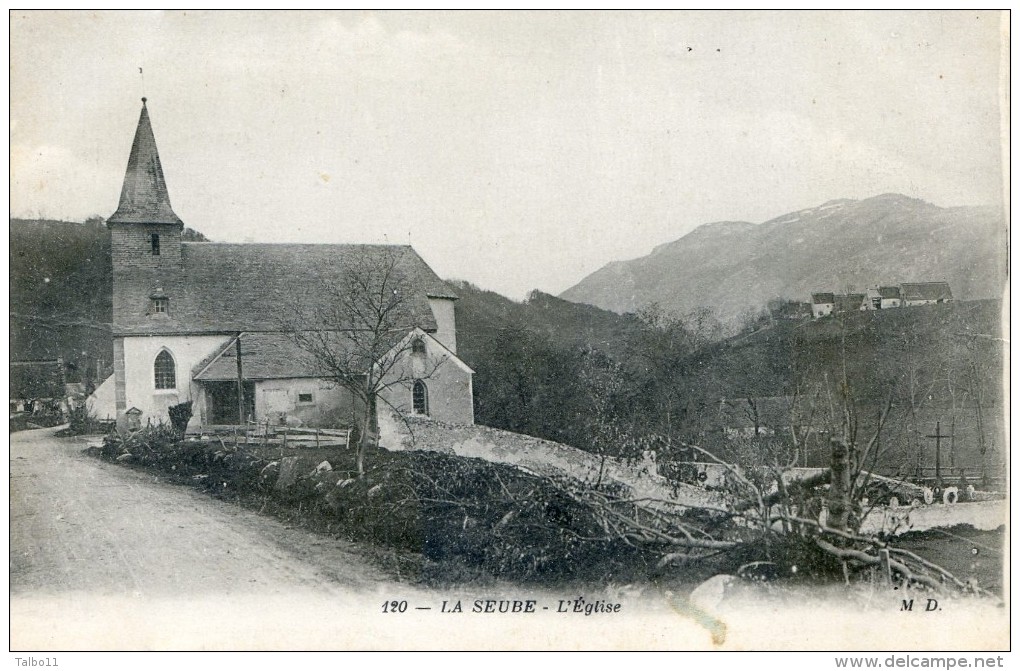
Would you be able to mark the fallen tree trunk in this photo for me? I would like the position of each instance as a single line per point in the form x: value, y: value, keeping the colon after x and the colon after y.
x: 863, y: 557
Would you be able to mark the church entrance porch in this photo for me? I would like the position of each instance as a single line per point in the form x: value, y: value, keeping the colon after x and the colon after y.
x: 221, y: 402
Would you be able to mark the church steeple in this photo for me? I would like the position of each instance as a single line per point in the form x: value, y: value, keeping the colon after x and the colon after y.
x: 144, y: 198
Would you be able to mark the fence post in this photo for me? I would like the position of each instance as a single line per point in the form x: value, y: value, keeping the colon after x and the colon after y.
x: 316, y: 438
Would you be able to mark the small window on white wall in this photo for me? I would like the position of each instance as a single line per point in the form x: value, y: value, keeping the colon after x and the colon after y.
x: 305, y: 397
x: 165, y: 371
x: 420, y: 398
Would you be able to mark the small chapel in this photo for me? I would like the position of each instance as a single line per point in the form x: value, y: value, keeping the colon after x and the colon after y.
x: 211, y: 323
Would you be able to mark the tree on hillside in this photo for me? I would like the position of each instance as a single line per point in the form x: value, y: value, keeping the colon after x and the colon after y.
x: 605, y: 428
x: 660, y: 354
x: 362, y: 338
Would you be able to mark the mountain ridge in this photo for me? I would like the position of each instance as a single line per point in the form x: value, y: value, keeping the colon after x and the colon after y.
x: 735, y: 267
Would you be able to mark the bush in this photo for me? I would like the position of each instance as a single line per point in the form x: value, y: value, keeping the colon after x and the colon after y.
x: 180, y: 415
x: 28, y: 422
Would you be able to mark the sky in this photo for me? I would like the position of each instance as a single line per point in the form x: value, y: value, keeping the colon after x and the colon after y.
x: 517, y: 151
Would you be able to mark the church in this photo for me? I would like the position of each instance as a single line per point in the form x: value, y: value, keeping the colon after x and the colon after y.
x: 215, y: 323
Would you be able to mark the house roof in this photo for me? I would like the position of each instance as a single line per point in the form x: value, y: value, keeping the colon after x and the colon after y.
x: 264, y: 356
x: 926, y: 291
x: 822, y: 298
x: 889, y: 292
x: 268, y: 356
x: 849, y: 302
x: 144, y: 198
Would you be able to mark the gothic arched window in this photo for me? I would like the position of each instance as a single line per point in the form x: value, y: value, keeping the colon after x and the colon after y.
x: 420, y: 398
x: 165, y: 371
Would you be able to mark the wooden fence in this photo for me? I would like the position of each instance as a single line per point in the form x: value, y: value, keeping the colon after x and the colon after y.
x: 264, y: 433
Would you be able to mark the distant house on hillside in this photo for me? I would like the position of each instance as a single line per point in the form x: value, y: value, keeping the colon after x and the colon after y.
x: 889, y: 297
x: 881, y: 298
x: 872, y: 300
x: 822, y: 304
x: 925, y: 293
x: 849, y: 303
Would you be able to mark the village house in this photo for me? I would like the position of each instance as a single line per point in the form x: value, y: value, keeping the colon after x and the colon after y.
x: 881, y: 298
x: 849, y: 303
x: 925, y: 293
x: 889, y: 297
x: 196, y: 321
x: 822, y: 304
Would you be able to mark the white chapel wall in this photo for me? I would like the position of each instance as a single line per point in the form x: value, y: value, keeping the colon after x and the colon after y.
x: 139, y: 377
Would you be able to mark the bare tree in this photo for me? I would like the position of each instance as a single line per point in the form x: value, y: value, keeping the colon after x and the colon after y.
x: 360, y: 331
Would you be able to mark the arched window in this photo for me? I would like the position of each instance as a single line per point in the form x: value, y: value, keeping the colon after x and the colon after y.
x: 165, y: 371
x: 418, y: 347
x: 420, y: 398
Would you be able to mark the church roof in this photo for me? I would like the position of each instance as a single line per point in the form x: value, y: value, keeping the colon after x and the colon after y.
x: 144, y: 198
x: 224, y: 287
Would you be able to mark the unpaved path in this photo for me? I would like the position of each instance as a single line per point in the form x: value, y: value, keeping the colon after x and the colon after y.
x: 108, y: 557
x: 78, y: 523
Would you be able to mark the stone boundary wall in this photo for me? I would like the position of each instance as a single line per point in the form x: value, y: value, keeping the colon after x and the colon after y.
x: 540, y: 456
x: 982, y: 515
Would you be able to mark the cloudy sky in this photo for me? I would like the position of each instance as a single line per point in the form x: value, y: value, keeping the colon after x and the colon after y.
x: 517, y: 151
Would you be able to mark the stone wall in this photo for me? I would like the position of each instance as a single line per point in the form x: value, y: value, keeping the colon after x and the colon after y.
x: 534, y: 454
x: 982, y: 515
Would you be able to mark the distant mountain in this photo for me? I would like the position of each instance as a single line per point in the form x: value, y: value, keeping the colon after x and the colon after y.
x: 735, y: 266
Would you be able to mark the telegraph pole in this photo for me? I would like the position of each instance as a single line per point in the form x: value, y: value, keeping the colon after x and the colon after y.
x: 240, y: 384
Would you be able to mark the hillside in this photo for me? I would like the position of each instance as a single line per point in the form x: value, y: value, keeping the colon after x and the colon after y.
x: 60, y: 277
x: 934, y: 363
x: 482, y: 314
x: 527, y: 355
x: 733, y: 267
x: 60, y: 293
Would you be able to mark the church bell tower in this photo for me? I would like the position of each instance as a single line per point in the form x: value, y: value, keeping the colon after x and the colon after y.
x: 145, y: 232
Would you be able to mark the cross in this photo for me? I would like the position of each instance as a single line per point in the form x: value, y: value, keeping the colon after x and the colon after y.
x: 938, y: 452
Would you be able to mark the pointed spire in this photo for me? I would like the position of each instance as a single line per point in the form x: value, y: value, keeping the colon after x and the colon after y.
x: 144, y: 198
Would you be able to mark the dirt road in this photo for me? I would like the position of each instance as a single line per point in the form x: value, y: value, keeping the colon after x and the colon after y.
x: 87, y: 536
x: 104, y: 557
x: 78, y: 523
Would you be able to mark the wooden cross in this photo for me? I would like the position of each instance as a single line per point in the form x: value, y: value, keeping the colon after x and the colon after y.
x: 938, y: 452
